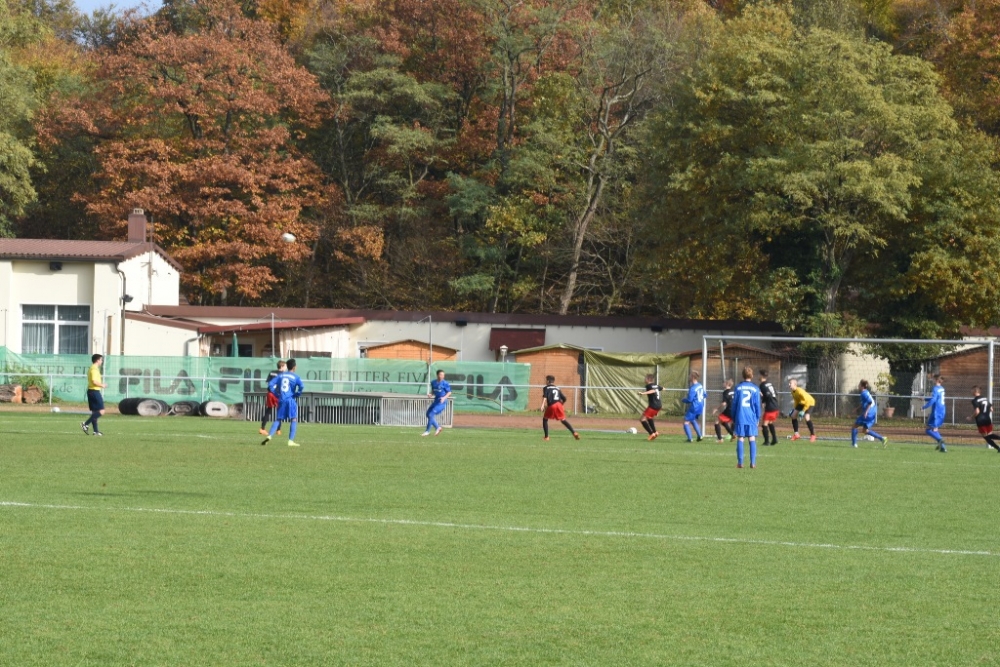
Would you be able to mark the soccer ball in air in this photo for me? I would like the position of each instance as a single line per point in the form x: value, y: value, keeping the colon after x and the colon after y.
x: 288, y: 237
x: 633, y: 430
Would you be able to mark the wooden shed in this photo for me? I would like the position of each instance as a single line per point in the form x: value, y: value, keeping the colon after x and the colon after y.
x: 737, y: 356
x: 413, y: 350
x: 565, y: 362
x: 962, y: 370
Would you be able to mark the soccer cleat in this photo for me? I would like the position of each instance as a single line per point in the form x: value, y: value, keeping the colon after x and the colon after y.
x: 719, y: 440
x: 98, y: 433
x: 812, y: 438
x: 885, y: 442
x: 854, y: 444
x: 796, y: 437
x: 265, y: 441
x: 731, y: 437
x: 546, y: 438
x: 739, y: 465
x: 292, y: 443
x: 278, y: 432
x: 425, y: 434
x: 699, y: 439
x: 652, y: 436
x: 438, y: 431
x: 85, y: 427
x: 753, y: 465
x: 263, y: 431
x: 576, y: 436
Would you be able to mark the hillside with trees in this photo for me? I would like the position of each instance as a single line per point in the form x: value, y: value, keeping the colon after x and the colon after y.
x: 827, y: 164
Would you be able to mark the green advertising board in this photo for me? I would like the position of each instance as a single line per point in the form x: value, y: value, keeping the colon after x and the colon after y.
x: 476, y: 386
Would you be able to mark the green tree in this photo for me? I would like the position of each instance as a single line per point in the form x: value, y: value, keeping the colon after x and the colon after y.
x: 828, y: 156
x: 18, y: 102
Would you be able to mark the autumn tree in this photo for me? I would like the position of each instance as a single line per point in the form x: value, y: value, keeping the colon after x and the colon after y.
x: 196, y: 121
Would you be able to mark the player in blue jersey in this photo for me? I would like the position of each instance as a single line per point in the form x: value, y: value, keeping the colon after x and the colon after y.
x: 287, y: 386
x: 935, y: 402
x: 440, y: 392
x: 867, y: 415
x: 695, y: 400
x: 746, y: 416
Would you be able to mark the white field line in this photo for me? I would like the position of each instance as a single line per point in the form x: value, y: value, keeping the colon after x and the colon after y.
x: 506, y: 529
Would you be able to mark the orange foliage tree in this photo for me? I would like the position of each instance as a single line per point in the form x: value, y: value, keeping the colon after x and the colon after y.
x: 197, y: 123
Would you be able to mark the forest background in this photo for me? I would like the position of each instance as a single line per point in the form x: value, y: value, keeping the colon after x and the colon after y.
x: 830, y: 165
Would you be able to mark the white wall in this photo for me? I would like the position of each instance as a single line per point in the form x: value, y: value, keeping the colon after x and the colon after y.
x: 76, y: 284
x: 164, y: 290
x: 11, y: 317
x: 144, y: 338
x: 473, y: 340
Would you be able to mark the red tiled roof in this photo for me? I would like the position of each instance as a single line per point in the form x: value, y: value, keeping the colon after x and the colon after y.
x: 162, y: 321
x: 279, y: 324
x: 80, y: 251
x: 495, y: 319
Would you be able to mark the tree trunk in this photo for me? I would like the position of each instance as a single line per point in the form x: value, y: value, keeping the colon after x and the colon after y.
x: 580, y: 234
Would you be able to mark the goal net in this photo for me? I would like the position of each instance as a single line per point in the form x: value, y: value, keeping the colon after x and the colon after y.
x: 899, y: 373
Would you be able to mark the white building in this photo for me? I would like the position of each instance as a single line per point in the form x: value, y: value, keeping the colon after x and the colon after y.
x: 71, y: 297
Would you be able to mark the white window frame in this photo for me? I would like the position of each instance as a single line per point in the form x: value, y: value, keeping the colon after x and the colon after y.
x: 58, y: 324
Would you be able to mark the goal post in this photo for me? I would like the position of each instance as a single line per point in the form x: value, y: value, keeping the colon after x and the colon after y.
x: 830, y: 369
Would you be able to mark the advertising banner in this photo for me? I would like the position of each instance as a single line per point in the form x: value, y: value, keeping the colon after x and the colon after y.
x: 476, y: 386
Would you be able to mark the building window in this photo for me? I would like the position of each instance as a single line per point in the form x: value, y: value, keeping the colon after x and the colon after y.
x: 55, y: 329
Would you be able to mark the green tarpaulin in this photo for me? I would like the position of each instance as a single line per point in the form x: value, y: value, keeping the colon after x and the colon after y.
x: 611, y: 380
x: 608, y: 373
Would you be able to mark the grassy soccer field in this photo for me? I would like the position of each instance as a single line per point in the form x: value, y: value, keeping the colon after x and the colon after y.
x: 182, y: 541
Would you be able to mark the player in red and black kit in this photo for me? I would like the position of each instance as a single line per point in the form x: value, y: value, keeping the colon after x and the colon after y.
x: 769, y: 399
x: 271, y: 401
x: 552, y: 406
x: 725, y: 412
x: 984, y: 418
x: 655, y: 405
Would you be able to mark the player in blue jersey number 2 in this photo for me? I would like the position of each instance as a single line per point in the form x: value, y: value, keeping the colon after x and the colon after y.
x: 746, y: 416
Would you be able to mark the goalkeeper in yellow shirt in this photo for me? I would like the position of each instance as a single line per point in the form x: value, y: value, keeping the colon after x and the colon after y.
x: 95, y: 399
x: 804, y: 403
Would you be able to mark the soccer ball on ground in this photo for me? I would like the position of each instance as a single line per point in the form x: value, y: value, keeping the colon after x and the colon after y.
x: 633, y: 430
x: 56, y: 409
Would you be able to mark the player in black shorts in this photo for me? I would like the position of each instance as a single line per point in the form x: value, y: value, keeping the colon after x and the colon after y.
x: 725, y: 412
x: 769, y: 399
x: 984, y: 418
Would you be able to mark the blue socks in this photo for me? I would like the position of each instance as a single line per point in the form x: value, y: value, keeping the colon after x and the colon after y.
x: 934, y: 434
x: 687, y: 431
x: 739, y: 451
x: 854, y: 437
x: 292, y: 428
x: 875, y: 435
x: 697, y: 430
x: 753, y: 452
